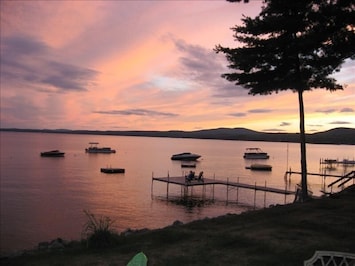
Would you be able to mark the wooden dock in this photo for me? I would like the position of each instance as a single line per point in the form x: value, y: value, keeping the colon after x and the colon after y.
x: 316, y: 174
x: 180, y: 180
x: 185, y: 185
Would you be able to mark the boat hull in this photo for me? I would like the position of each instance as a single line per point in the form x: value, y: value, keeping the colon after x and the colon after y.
x: 186, y: 156
x: 54, y: 153
x: 112, y: 170
x: 99, y: 150
x: 256, y: 156
x: 259, y: 167
x: 188, y: 165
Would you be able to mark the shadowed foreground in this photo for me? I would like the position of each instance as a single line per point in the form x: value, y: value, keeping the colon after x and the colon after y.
x: 281, y: 235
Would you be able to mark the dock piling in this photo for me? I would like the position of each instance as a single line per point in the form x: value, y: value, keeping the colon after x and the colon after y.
x: 167, y: 187
x: 227, y: 189
x: 255, y: 196
x: 238, y: 191
x: 265, y: 195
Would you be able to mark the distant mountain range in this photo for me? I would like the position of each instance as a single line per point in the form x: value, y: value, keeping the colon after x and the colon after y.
x: 333, y: 136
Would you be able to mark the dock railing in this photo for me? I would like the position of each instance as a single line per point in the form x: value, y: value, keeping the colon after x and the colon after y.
x: 341, y: 179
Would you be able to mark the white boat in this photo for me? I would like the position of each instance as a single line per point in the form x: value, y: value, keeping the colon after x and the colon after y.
x: 259, y: 167
x: 94, y: 149
x: 255, y: 153
x: 53, y: 153
x: 185, y: 156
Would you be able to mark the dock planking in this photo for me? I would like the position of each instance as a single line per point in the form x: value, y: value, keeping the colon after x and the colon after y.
x: 180, y: 180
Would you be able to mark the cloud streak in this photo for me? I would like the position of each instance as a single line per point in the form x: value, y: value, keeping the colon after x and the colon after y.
x: 204, y: 67
x: 284, y: 124
x: 340, y: 123
x: 137, y: 112
x: 26, y: 59
x: 259, y: 111
x: 238, y: 114
x: 347, y: 110
x: 326, y: 111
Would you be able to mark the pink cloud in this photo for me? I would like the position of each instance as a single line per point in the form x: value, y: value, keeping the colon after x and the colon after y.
x: 136, y: 65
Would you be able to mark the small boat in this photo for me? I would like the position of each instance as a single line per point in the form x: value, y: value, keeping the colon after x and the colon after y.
x: 53, y: 153
x: 330, y: 161
x: 188, y: 165
x: 255, y: 153
x: 259, y: 167
x: 185, y: 156
x: 110, y: 170
x: 330, y: 164
x: 94, y: 149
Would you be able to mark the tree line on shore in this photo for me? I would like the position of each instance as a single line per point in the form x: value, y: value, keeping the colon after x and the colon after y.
x: 333, y: 136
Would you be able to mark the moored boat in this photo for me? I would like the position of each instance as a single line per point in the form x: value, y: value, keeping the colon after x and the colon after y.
x: 188, y: 165
x: 185, y: 156
x: 94, y: 149
x: 110, y: 170
x: 53, y: 153
x: 330, y: 161
x: 255, y: 153
x: 259, y: 167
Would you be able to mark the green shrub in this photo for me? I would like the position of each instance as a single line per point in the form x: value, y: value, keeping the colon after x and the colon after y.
x: 99, y: 232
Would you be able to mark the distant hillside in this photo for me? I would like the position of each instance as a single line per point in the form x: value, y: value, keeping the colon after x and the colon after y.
x: 333, y: 136
x: 337, y: 135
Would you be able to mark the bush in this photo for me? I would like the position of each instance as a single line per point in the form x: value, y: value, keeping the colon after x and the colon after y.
x: 99, y: 232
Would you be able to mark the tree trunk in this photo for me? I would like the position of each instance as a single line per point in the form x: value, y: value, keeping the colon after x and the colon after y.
x: 304, y: 195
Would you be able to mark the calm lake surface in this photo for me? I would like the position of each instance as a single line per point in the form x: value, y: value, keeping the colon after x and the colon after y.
x: 44, y: 198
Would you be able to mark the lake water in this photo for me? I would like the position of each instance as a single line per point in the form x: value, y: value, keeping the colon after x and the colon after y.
x: 44, y: 198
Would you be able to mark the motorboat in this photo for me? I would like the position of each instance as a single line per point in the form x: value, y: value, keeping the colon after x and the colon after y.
x: 94, y: 149
x: 53, y: 153
x: 255, y: 153
x: 330, y: 164
x: 259, y: 167
x: 188, y: 165
x: 110, y: 170
x: 185, y: 156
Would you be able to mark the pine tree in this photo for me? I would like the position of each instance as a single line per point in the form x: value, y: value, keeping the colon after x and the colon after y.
x: 293, y: 45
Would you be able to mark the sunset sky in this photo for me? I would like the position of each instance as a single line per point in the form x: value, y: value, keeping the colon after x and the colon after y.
x: 142, y: 65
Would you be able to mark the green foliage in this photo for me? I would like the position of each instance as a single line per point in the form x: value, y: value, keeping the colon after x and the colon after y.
x: 99, y: 232
x: 292, y: 45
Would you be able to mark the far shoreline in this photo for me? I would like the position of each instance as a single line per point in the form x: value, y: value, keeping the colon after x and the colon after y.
x: 336, y: 136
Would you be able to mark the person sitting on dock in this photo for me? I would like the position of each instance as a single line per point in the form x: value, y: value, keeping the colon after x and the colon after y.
x: 190, y: 176
x: 200, y: 176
